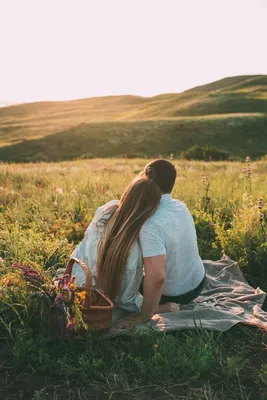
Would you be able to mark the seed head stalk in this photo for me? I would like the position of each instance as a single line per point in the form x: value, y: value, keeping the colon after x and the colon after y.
x: 206, y: 199
x: 261, y: 215
x: 247, y: 172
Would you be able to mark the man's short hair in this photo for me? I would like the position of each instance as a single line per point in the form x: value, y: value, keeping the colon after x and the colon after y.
x: 163, y: 172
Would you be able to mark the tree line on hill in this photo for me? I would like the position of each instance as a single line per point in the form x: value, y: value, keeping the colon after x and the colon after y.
x: 205, y: 153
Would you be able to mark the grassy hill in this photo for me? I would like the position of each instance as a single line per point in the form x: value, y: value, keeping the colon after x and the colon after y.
x: 230, y: 114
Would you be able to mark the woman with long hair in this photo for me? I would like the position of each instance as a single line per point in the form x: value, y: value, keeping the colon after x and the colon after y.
x: 111, y: 247
x: 138, y: 202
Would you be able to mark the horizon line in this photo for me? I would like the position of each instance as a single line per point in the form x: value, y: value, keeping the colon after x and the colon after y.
x: 5, y: 103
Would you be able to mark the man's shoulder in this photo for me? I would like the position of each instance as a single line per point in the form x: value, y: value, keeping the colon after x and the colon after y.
x: 157, y: 220
x: 178, y: 204
x: 151, y: 224
x: 171, y: 207
x: 165, y: 213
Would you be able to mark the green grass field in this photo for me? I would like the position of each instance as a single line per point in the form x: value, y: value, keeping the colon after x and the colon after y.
x: 44, y: 211
x: 230, y: 114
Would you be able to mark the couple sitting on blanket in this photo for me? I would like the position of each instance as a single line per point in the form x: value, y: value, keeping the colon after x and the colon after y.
x: 142, y: 249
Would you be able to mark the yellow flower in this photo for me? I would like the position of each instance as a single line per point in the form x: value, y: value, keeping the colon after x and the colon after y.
x: 81, y: 295
x: 156, y: 346
x: 72, y: 286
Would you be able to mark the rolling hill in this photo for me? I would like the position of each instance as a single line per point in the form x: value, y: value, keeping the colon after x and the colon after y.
x: 230, y: 114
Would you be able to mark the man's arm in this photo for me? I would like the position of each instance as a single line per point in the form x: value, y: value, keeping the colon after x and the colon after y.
x: 155, y: 257
x: 152, y: 291
x: 153, y: 285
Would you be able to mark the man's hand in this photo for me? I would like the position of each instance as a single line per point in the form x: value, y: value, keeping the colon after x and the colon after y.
x: 168, y: 307
x: 136, y: 319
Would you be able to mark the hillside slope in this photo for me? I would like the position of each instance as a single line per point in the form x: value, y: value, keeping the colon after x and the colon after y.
x: 230, y: 113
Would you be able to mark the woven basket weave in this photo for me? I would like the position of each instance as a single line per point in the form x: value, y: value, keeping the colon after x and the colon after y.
x: 97, y: 308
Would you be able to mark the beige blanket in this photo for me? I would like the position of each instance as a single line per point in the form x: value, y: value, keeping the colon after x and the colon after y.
x: 227, y: 299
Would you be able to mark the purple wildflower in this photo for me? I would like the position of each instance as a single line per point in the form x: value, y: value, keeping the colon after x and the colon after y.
x: 29, y: 274
x: 70, y: 326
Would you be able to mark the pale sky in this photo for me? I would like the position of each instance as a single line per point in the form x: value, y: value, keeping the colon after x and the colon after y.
x: 67, y: 49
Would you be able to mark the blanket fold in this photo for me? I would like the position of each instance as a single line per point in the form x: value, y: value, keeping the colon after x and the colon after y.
x: 226, y: 300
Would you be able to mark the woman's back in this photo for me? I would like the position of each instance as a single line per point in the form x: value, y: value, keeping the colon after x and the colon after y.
x: 87, y: 251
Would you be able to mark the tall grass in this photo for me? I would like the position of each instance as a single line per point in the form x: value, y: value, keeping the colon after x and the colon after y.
x: 44, y: 211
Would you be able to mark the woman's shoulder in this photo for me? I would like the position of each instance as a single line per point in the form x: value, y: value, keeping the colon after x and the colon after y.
x: 103, y: 209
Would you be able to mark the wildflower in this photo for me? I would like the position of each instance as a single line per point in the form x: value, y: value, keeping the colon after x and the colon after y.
x: 260, y: 205
x: 71, y: 282
x: 29, y: 274
x: 81, y: 295
x: 74, y: 192
x: 211, y: 225
x: 70, y: 326
x: 58, y: 190
x: 247, y: 170
x: 59, y: 283
x: 65, y: 280
x: 205, y: 182
x: 8, y: 283
x: 40, y: 183
x: 156, y: 346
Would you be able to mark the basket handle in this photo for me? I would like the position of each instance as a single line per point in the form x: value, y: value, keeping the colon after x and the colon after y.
x: 88, y: 279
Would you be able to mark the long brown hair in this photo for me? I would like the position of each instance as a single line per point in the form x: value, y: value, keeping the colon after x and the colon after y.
x: 138, y: 202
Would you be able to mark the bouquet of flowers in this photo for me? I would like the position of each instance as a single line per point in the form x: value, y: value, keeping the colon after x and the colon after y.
x: 56, y: 303
x: 52, y: 300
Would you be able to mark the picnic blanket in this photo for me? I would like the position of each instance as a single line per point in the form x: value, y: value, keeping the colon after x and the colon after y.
x: 226, y: 300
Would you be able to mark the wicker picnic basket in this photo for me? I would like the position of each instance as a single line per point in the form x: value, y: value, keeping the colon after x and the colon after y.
x: 97, y: 308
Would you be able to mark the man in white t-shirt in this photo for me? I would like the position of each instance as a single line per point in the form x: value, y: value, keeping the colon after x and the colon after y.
x: 174, y: 271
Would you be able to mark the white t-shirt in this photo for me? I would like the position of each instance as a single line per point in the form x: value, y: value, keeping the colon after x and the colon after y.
x: 171, y: 230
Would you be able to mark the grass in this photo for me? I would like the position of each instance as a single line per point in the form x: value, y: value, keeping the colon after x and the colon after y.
x: 227, y: 113
x: 44, y: 211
